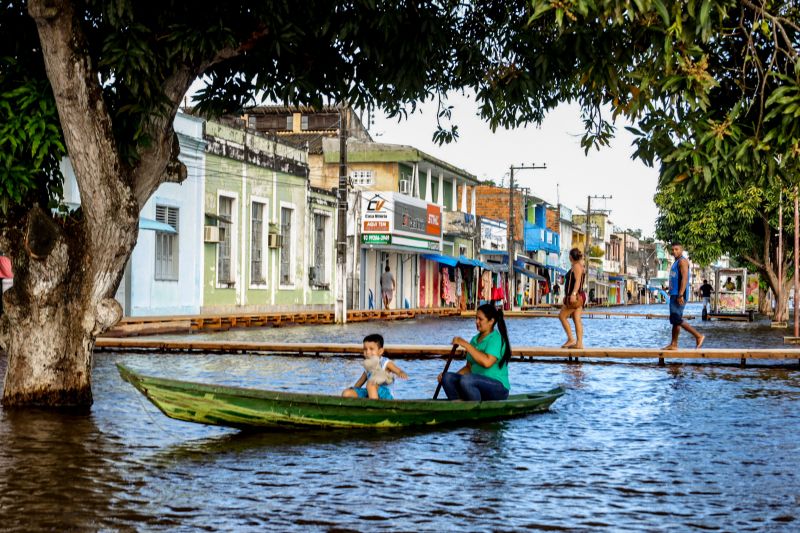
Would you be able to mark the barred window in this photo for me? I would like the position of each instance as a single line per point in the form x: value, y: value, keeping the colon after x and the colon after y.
x: 257, y: 275
x: 167, y: 244
x: 286, y: 246
x: 319, y: 268
x: 363, y: 177
x: 224, y: 247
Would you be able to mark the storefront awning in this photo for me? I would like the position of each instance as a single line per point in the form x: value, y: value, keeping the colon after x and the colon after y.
x: 528, y: 273
x: 471, y: 262
x: 530, y: 261
x: 501, y: 253
x: 496, y: 267
x: 148, y: 223
x: 444, y: 259
x: 557, y: 269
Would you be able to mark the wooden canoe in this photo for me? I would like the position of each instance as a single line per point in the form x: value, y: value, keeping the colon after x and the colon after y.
x: 245, y: 408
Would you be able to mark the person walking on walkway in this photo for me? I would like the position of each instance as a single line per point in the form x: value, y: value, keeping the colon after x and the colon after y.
x: 387, y: 287
x: 574, y: 300
x: 679, y: 286
x: 705, y: 293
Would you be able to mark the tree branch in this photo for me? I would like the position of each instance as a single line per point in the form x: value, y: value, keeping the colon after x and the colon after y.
x: 107, y: 199
x: 81, y: 109
x: 231, y: 51
x: 755, y: 261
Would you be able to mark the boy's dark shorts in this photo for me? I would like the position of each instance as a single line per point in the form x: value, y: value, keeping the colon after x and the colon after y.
x: 675, y: 311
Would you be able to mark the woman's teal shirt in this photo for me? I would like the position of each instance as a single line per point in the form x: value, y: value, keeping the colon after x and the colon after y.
x: 492, y: 344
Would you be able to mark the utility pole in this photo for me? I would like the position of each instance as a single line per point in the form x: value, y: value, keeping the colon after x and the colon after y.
x: 511, y: 248
x: 341, y: 233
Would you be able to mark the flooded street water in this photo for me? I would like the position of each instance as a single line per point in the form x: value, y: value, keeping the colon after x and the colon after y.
x: 631, y: 446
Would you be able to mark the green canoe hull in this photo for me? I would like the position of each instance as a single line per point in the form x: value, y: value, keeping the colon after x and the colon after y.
x: 245, y: 408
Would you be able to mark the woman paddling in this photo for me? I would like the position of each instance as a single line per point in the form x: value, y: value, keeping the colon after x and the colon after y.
x: 574, y: 300
x: 485, y: 376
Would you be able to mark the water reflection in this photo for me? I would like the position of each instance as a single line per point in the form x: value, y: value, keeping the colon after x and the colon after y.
x: 59, y: 472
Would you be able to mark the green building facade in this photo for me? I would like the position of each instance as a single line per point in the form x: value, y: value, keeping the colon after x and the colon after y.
x: 269, y: 240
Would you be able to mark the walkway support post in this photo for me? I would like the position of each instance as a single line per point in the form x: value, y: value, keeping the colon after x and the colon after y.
x: 796, y: 263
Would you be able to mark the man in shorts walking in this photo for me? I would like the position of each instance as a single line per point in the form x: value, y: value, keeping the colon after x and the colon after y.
x: 679, y: 285
x: 387, y: 287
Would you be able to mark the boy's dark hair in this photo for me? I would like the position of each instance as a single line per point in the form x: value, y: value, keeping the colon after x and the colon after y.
x: 376, y: 338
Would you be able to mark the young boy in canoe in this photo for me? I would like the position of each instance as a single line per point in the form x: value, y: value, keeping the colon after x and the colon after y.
x: 378, y: 372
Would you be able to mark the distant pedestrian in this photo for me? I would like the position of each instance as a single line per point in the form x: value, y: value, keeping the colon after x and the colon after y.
x: 387, y: 287
x: 705, y: 293
x: 574, y: 300
x: 679, y: 287
x: 556, y: 292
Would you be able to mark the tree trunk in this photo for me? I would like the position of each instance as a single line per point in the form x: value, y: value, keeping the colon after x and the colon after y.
x: 764, y: 306
x: 66, y: 271
x: 52, y: 318
x: 782, y: 302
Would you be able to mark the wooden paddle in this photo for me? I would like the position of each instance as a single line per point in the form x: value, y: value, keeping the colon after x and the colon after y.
x: 446, y: 367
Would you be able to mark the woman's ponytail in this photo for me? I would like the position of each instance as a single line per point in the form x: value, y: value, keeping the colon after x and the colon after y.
x: 501, y: 327
x: 493, y: 313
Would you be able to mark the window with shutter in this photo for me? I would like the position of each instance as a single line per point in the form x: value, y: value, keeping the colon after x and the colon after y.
x: 166, y: 256
x: 257, y: 275
x: 286, y: 246
x: 320, y: 268
x: 224, y: 247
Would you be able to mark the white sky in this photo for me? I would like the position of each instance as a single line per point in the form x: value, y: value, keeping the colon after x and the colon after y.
x: 570, y: 175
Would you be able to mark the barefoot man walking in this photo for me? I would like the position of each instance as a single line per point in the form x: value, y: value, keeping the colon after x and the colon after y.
x: 679, y: 286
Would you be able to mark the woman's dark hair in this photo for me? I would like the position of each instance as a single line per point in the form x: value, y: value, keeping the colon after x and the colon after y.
x: 493, y: 313
x: 576, y: 254
x: 376, y: 338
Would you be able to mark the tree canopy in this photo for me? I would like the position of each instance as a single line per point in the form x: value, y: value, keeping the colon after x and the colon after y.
x: 712, y: 85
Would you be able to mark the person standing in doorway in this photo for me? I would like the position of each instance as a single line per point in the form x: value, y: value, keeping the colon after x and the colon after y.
x: 387, y: 287
x: 679, y: 286
x: 705, y: 293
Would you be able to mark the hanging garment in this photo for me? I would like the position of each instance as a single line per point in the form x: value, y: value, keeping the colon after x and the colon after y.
x: 459, y: 281
x: 486, y: 285
x: 445, y: 285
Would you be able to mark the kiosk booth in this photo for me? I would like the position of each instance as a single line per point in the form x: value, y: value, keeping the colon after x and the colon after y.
x: 731, y: 294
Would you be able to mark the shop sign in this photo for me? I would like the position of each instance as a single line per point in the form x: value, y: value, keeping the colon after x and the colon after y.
x: 410, y: 218
x: 376, y: 217
x: 375, y: 238
x: 434, y: 226
x: 393, y: 218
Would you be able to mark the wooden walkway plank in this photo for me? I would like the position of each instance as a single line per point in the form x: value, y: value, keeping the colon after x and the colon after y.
x: 423, y: 351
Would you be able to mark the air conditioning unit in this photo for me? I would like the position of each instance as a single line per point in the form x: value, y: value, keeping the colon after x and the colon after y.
x: 213, y: 234
x: 405, y: 187
x: 274, y: 240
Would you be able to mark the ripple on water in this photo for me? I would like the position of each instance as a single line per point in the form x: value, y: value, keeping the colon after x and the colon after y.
x: 630, y: 447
